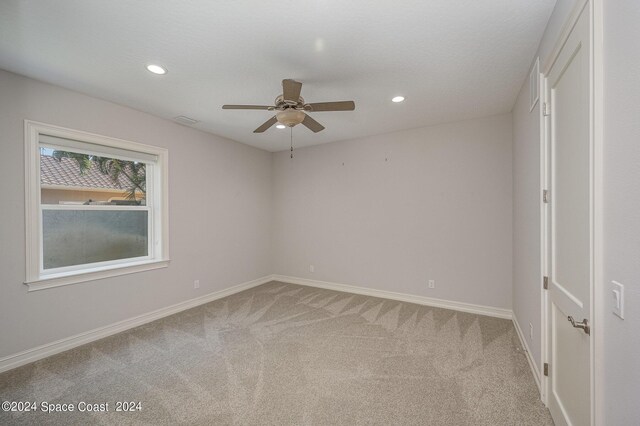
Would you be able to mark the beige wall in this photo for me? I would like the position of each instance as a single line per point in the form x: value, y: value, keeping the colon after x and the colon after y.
x: 220, y: 215
x: 392, y: 211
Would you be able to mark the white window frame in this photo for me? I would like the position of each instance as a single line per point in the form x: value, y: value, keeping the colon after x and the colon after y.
x: 157, y: 206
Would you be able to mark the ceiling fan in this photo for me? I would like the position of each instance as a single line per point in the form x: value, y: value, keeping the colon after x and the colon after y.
x: 292, y: 110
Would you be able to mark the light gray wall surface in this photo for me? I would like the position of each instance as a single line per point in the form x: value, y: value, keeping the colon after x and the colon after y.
x: 622, y: 210
x: 526, y: 195
x: 220, y: 217
x: 392, y: 211
x: 527, y: 221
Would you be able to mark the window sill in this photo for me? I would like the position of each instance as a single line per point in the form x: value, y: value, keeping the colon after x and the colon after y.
x: 95, y: 274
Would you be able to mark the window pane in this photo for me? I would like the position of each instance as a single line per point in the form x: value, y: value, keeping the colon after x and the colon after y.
x: 68, y: 177
x: 75, y: 237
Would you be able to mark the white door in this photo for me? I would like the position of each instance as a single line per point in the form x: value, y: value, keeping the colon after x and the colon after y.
x: 569, y: 213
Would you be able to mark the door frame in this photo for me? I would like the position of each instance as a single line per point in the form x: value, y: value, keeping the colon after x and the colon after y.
x: 596, y: 119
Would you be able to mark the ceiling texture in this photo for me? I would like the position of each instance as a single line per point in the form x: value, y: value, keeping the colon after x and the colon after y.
x: 451, y: 59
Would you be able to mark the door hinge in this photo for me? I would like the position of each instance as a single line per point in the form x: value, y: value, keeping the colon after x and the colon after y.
x: 545, y: 283
x: 546, y: 369
x: 545, y: 196
x: 546, y: 110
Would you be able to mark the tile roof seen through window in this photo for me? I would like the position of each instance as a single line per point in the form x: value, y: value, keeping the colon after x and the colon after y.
x: 66, y: 172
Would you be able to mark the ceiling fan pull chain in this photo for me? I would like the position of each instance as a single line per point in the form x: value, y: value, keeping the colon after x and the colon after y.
x: 291, y: 141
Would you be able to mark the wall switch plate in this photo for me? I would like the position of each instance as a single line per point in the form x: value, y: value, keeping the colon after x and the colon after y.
x: 432, y: 283
x: 617, y: 291
x: 196, y: 284
x: 312, y: 268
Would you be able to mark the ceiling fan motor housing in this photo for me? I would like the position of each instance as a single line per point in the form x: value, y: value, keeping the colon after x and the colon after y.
x: 281, y: 103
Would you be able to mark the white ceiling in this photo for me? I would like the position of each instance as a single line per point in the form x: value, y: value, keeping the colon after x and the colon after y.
x: 451, y: 59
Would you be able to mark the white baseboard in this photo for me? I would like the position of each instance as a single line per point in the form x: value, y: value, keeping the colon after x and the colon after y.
x: 532, y: 364
x: 420, y: 300
x: 43, y: 351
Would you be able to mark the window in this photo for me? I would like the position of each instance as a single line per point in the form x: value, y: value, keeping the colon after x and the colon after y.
x: 95, y: 206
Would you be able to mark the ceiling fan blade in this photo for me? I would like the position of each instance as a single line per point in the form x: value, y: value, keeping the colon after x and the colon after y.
x: 291, y: 90
x: 312, y: 124
x: 270, y: 122
x: 246, y: 107
x: 331, y: 106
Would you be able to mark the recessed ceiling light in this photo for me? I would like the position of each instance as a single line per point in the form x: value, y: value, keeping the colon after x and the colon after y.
x: 398, y: 99
x: 156, y: 69
x: 281, y: 126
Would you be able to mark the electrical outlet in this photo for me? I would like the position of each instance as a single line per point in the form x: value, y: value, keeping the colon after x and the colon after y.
x: 432, y: 283
x: 196, y: 284
x: 530, y: 331
x: 312, y: 268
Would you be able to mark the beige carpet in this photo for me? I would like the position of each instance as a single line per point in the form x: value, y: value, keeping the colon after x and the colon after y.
x: 293, y: 355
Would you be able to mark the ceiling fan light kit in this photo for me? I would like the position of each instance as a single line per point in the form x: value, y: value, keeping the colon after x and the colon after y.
x: 292, y: 109
x: 290, y: 117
